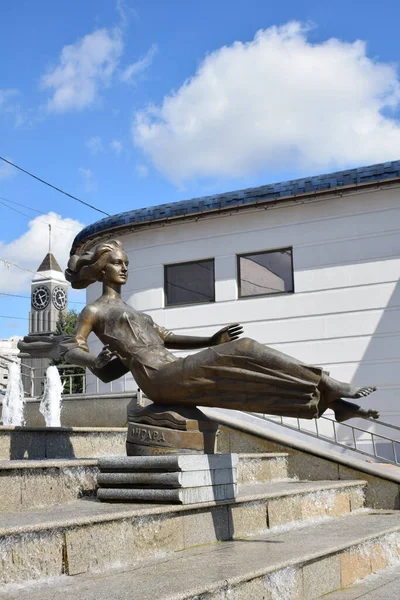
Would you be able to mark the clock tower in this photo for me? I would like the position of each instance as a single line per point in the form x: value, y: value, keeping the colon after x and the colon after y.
x: 49, y: 295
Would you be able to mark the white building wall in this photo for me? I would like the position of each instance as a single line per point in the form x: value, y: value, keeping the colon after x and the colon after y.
x: 344, y: 314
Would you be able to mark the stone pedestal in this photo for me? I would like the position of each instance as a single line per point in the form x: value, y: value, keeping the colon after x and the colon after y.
x: 168, y: 429
x: 180, y: 479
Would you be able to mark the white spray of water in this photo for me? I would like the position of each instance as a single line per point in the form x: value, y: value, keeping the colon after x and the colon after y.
x: 13, y: 403
x: 282, y: 584
x: 50, y: 405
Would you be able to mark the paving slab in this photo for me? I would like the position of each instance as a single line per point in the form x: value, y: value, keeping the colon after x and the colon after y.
x: 222, y: 570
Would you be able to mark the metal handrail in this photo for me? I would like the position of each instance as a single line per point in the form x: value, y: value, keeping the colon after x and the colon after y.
x: 355, y: 446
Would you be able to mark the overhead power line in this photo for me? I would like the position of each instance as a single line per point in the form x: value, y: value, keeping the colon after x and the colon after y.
x: 40, y: 278
x: 28, y: 297
x: 19, y: 318
x: 30, y: 216
x: 11, y: 264
x: 53, y: 186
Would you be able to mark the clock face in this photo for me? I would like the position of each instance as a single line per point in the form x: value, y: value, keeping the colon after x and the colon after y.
x: 40, y: 297
x: 59, y: 298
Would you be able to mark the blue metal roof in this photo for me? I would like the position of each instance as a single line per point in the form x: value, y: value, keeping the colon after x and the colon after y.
x: 264, y: 193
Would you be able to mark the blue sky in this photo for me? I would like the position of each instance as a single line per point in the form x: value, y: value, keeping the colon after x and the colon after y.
x: 138, y: 102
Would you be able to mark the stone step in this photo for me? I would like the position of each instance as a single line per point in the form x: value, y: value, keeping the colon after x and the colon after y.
x: 300, y: 564
x: 37, y: 443
x: 27, y: 484
x: 261, y: 468
x: 87, y: 535
x: 32, y: 483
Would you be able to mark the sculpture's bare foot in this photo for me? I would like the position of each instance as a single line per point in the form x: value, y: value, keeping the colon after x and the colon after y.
x: 361, y: 392
x: 334, y: 389
x: 347, y: 410
x: 373, y: 414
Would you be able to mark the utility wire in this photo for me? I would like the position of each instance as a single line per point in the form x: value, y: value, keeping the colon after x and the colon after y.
x: 53, y: 186
x: 20, y: 296
x: 19, y: 318
x: 30, y: 216
x: 8, y: 263
x: 14, y: 295
x: 23, y: 205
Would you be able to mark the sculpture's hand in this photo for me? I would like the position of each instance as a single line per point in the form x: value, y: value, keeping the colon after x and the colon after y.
x: 104, y: 357
x: 227, y: 334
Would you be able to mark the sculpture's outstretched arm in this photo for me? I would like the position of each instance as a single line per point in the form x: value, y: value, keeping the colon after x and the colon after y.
x: 106, y: 366
x: 113, y: 370
x: 188, y: 342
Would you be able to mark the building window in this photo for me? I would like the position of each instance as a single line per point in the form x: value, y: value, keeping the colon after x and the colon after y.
x: 189, y: 282
x: 261, y: 273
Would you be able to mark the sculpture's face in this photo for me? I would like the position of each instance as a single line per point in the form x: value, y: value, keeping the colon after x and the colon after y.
x: 116, y: 269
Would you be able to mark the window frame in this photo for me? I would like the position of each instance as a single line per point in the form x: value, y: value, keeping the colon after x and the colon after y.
x: 188, y: 262
x: 271, y: 294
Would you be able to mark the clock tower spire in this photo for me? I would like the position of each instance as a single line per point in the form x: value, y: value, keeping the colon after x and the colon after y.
x: 49, y: 293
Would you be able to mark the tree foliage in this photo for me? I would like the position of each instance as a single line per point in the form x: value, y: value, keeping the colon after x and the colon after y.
x: 66, y: 322
x: 71, y: 375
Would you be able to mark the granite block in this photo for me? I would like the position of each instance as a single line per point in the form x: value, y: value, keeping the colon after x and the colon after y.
x: 169, y: 479
x: 321, y: 577
x: 206, y: 526
x: 284, y: 510
x: 10, y: 491
x: 194, y: 495
x: 355, y: 564
x: 379, y: 492
x: 170, y: 462
x: 248, y: 518
x: 123, y: 543
x: 31, y: 556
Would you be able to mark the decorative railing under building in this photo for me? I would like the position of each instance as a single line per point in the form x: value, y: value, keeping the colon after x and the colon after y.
x: 382, y: 443
x: 72, y: 377
x: 26, y: 372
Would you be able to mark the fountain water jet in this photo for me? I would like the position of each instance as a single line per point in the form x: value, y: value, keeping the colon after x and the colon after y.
x: 13, y: 402
x: 50, y: 405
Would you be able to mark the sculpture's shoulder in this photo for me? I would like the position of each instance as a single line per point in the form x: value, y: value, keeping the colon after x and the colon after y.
x: 90, y: 313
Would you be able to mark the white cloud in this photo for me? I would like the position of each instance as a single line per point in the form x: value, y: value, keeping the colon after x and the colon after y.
x: 84, y: 68
x: 125, y: 12
x: 278, y: 101
x: 30, y: 248
x: 89, y: 180
x: 94, y: 144
x: 129, y: 73
x: 6, y: 171
x: 116, y: 145
x: 9, y: 106
x: 6, y: 94
x: 142, y: 171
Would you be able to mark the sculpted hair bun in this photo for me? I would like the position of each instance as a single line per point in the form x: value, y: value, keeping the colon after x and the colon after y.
x: 87, y: 268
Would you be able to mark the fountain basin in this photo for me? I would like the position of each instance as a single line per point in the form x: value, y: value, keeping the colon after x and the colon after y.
x: 37, y: 443
x: 84, y: 410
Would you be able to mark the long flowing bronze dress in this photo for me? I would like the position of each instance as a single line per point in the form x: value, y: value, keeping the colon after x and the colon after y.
x: 242, y: 374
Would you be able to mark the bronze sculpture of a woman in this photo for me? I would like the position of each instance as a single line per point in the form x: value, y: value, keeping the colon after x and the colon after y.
x: 231, y: 372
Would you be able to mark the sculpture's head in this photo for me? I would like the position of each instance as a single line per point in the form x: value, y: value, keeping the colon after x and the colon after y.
x: 107, y: 262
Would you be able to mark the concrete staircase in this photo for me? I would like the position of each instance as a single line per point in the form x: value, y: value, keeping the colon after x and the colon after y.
x: 282, y: 539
